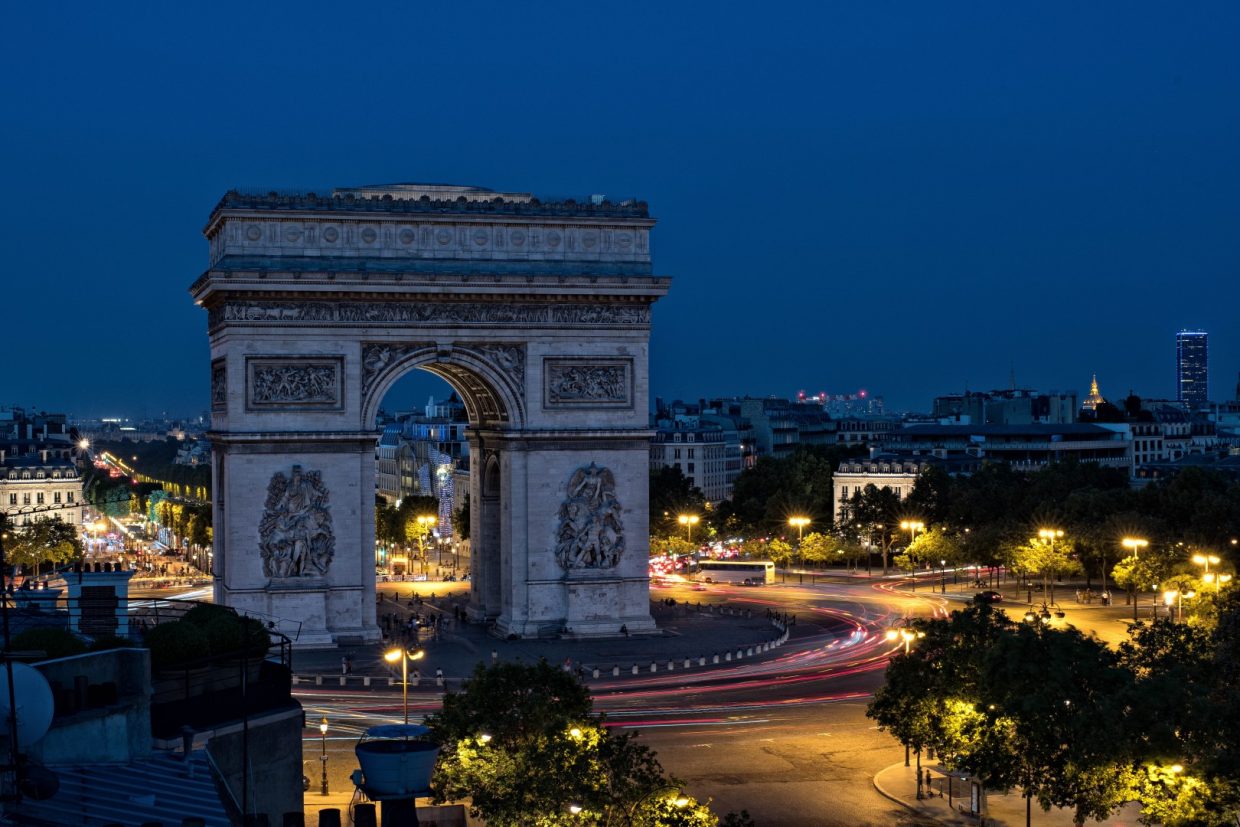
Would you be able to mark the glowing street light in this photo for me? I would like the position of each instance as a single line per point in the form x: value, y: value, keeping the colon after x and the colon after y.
x: 404, y: 656
x: 912, y: 527
x: 1134, y: 544
x: 689, y: 521
x: 323, y: 756
x: 1206, y: 560
x: 799, y: 523
x: 1050, y: 535
x: 1218, y: 580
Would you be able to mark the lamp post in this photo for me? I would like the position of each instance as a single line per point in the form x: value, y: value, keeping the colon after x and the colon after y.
x: 1218, y: 580
x: 1206, y: 560
x: 907, y: 635
x: 1135, y: 544
x: 799, y: 523
x: 1050, y: 535
x: 943, y: 578
x: 323, y: 756
x: 404, y: 656
x: 688, y: 521
x: 912, y: 527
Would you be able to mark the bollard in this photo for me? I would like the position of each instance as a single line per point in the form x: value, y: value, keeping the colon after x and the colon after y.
x: 635, y: 669
x: 329, y: 817
x: 654, y: 667
x: 686, y: 663
x: 318, y: 680
x: 366, y: 680
x: 670, y: 666
x: 749, y: 652
x: 727, y: 656
x: 595, y: 673
x: 364, y: 815
x: 701, y: 661
x: 296, y: 680
x: 716, y: 660
x: 343, y: 680
x: 391, y: 681
x: 615, y: 671
x: 739, y: 654
x: 439, y: 677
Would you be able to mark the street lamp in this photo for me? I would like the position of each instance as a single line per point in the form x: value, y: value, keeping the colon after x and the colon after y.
x: 404, y: 656
x: 1206, y: 560
x: 1175, y: 597
x: 912, y: 527
x: 1218, y: 580
x: 1050, y: 535
x: 1135, y: 544
x: 689, y: 521
x: 799, y: 523
x: 323, y: 756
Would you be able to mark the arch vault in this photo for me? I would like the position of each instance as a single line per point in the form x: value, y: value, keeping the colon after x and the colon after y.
x: 537, y: 313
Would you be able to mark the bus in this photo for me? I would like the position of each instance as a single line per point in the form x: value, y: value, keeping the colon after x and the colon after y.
x: 747, y: 572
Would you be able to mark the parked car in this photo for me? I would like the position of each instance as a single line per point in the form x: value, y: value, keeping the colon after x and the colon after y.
x: 988, y: 596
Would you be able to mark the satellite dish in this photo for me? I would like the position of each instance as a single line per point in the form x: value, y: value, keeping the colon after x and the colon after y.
x: 34, y: 704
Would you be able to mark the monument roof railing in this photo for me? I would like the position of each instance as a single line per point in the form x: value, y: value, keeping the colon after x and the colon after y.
x: 463, y: 204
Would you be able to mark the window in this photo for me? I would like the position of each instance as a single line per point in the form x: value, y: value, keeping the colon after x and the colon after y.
x: 56, y: 497
x: 39, y: 498
x: 690, y: 450
x: 676, y: 453
x: 12, y: 499
x: 691, y: 468
x: 26, y: 499
x: 844, y: 492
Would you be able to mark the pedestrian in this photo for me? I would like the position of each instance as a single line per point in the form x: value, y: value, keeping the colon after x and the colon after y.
x: 624, y: 629
x: 344, y: 665
x: 568, y: 664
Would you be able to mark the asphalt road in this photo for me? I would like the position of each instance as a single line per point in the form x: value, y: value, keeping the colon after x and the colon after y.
x: 784, y: 737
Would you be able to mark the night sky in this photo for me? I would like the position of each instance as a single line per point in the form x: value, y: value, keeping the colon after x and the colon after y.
x: 910, y: 198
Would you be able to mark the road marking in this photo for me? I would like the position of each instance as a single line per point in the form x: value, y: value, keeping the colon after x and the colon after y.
x: 702, y: 746
x: 827, y: 734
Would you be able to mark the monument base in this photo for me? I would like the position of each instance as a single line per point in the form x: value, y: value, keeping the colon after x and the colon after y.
x: 596, y: 604
x: 299, y: 609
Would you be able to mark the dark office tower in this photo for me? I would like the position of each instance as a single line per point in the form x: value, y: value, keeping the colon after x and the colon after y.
x: 1191, y: 351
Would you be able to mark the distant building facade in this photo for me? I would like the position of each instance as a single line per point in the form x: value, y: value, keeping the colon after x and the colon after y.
x: 39, y: 476
x: 1015, y: 406
x: 425, y: 455
x: 1192, y: 351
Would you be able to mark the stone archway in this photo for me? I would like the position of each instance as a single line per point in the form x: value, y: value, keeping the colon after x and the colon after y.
x: 537, y: 313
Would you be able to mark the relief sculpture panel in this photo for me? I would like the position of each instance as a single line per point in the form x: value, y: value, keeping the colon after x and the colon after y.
x: 590, y: 534
x: 294, y: 383
x: 295, y: 534
x: 588, y: 383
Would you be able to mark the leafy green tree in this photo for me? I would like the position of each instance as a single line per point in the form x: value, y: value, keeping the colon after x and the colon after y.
x: 780, y: 552
x: 934, y: 546
x: 763, y: 497
x: 674, y: 545
x: 522, y: 744
x: 41, y: 542
x: 818, y: 548
x: 877, y: 511
x: 460, y: 518
x: 1064, y: 695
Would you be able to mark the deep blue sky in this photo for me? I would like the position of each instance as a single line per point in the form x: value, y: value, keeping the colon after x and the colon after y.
x: 905, y: 197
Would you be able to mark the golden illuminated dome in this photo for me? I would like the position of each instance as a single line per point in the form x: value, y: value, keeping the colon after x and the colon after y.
x: 1095, y: 398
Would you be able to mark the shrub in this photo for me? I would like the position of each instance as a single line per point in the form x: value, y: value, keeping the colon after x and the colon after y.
x: 203, y: 613
x: 103, y: 642
x: 57, y: 643
x: 172, y: 644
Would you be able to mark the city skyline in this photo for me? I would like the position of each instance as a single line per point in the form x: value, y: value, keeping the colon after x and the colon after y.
x: 831, y: 220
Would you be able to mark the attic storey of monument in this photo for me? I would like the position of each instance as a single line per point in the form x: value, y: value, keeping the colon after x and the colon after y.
x: 538, y: 316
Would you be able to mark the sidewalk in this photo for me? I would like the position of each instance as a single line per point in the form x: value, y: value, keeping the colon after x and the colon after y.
x: 899, y: 783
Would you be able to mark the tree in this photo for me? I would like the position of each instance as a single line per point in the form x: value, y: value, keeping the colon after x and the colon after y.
x: 672, y: 494
x: 675, y: 545
x: 876, y: 510
x: 42, y: 541
x: 818, y: 548
x: 521, y: 742
x: 934, y: 546
x: 780, y: 552
x: 460, y: 518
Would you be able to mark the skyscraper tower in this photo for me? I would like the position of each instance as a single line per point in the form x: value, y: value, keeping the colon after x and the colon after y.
x: 1192, y: 382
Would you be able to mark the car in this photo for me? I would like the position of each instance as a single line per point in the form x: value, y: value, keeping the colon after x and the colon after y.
x: 988, y: 596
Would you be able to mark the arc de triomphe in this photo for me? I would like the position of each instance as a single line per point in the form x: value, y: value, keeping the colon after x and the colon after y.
x: 536, y: 313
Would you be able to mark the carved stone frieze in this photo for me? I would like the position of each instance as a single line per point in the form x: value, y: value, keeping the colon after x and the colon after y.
x: 295, y: 535
x: 591, y: 534
x: 507, y: 359
x: 219, y: 385
x: 293, y: 382
x: 379, y: 356
x: 456, y: 313
x: 588, y: 382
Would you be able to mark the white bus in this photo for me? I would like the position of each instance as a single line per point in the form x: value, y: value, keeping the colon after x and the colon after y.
x: 748, y: 572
